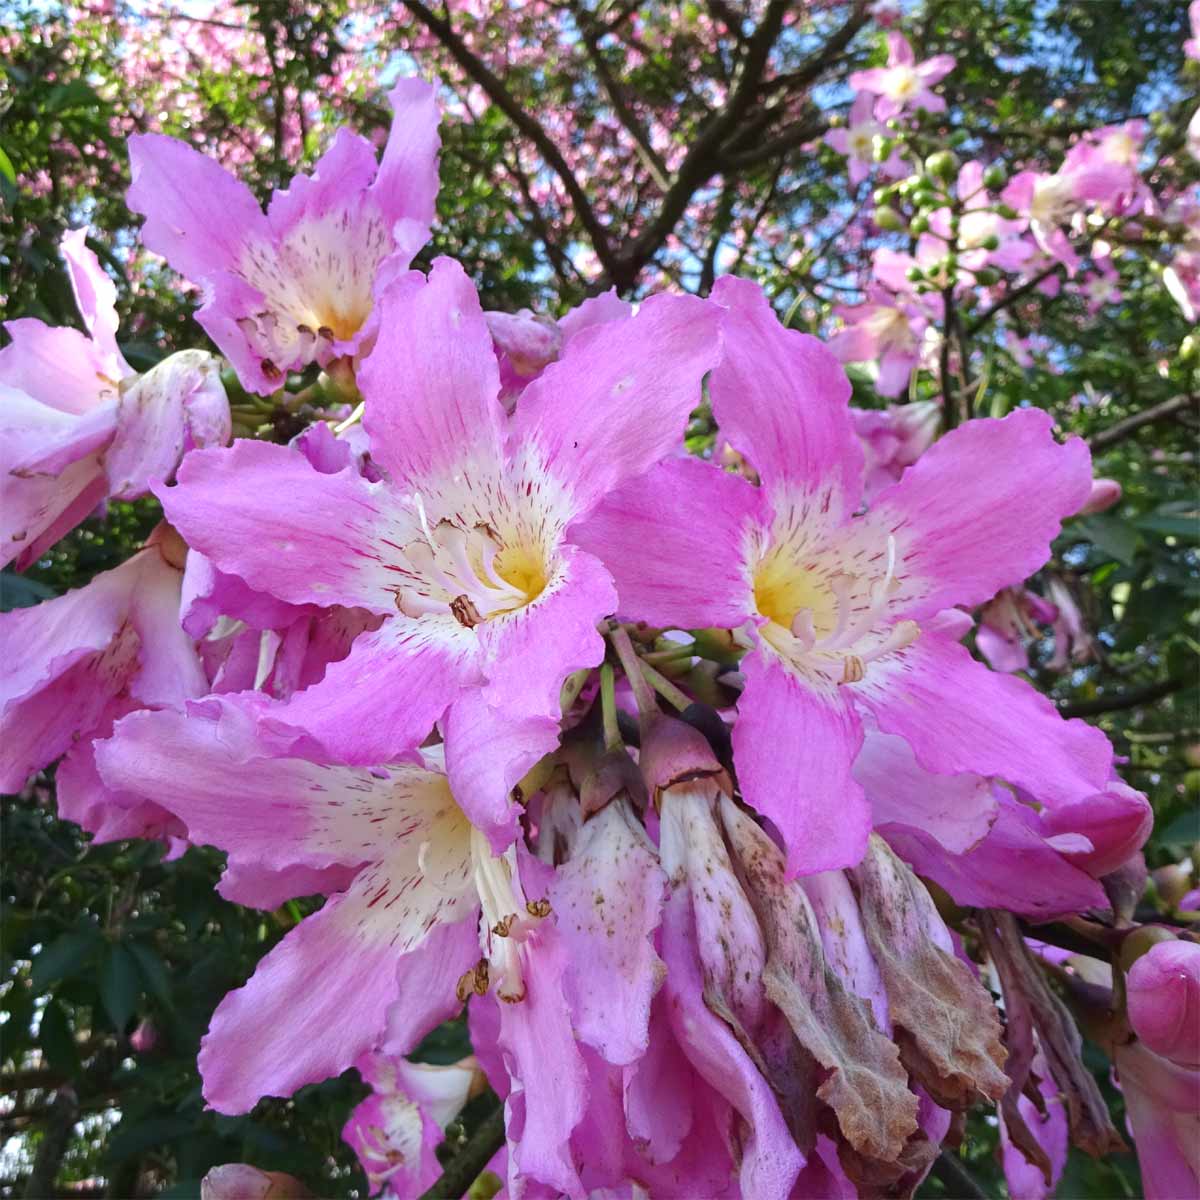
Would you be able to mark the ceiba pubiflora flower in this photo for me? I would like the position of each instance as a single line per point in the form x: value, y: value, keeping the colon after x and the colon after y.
x: 844, y: 613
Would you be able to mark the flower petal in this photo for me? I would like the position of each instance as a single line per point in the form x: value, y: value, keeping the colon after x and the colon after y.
x: 264, y: 513
x: 963, y: 532
x: 794, y: 748
x: 432, y: 383
x: 670, y: 569
x: 618, y: 399
x: 958, y: 716
x: 782, y: 399
x: 407, y: 184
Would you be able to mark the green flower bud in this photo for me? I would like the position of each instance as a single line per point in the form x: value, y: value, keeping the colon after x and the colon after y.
x: 943, y: 165
x: 991, y: 242
x: 1139, y: 942
x: 958, y: 138
x: 914, y: 274
x: 888, y: 218
x: 918, y: 225
x: 1007, y: 212
x: 986, y: 276
x: 995, y: 177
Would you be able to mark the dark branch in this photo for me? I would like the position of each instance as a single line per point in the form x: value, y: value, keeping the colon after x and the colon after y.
x: 1008, y: 300
x: 503, y: 99
x: 1134, y: 698
x: 1176, y: 406
x: 470, y: 1161
x: 960, y: 1183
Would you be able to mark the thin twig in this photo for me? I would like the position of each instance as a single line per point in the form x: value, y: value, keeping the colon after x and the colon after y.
x: 1159, y: 412
x: 468, y: 1164
x: 1134, y: 698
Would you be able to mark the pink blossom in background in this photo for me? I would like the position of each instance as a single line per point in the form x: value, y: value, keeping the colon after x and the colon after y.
x: 1192, y: 46
x: 904, y: 83
x: 1182, y: 280
x: 856, y: 140
x: 886, y: 329
x: 893, y: 439
x: 297, y: 284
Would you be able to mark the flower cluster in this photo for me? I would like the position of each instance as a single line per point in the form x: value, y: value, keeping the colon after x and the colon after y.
x: 635, y: 758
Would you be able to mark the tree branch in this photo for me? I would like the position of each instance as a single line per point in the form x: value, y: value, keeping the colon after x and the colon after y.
x: 1008, y: 300
x: 960, y: 1183
x: 503, y: 99
x: 1159, y: 412
x: 470, y: 1161
x: 1134, y: 698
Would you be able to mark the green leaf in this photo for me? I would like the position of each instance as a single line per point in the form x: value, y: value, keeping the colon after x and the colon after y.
x: 1183, y: 831
x: 7, y: 171
x: 134, y: 1137
x: 58, y: 1041
x: 119, y: 980
x: 63, y: 957
x: 153, y: 973
x: 18, y: 592
x: 1115, y: 537
x: 1184, y: 527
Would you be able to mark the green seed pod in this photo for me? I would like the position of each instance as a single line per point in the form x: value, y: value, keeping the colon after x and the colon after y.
x: 889, y: 219
x: 995, y: 177
x: 943, y: 165
x: 918, y: 225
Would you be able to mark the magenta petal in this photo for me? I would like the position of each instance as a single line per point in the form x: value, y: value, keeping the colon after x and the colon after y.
x: 407, y: 184
x: 957, y: 811
x: 198, y: 217
x: 618, y: 400
x: 958, y: 717
x: 264, y: 513
x: 488, y: 751
x: 549, y: 1080
x: 794, y: 748
x: 431, y: 382
x: 280, y: 812
x: 95, y: 294
x: 245, y: 881
x: 669, y: 568
x: 1115, y: 823
x: 964, y: 533
x: 385, y: 696
x: 315, y: 1003
x: 608, y: 902
x: 782, y: 399
x: 426, y: 979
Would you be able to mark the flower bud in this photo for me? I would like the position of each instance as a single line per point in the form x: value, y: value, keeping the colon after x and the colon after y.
x: 918, y: 225
x: 991, y: 242
x: 888, y: 218
x: 995, y: 177
x: 1007, y: 212
x: 1164, y: 1001
x: 1105, y: 493
x: 914, y: 274
x: 144, y: 1038
x: 1141, y: 941
x: 240, y: 1181
x: 986, y: 276
x: 943, y: 165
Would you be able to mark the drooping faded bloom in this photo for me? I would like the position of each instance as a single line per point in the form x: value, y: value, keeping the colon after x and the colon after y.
x: 78, y: 425
x: 841, y: 612
x: 297, y: 284
x: 904, y: 83
x: 464, y: 549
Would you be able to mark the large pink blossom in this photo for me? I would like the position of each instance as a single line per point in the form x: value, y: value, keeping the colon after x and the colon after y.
x: 464, y: 549
x: 841, y: 612
x: 297, y: 284
x: 904, y: 83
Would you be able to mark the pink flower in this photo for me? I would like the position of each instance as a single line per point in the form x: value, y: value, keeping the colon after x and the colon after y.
x: 857, y: 140
x: 1164, y: 1001
x: 463, y: 550
x: 893, y: 439
x: 1104, y: 495
x: 1007, y: 623
x: 78, y: 425
x: 298, y: 284
x: 841, y: 611
x: 1191, y: 47
x: 884, y: 328
x: 904, y: 83
x: 396, y: 1130
x: 1182, y: 280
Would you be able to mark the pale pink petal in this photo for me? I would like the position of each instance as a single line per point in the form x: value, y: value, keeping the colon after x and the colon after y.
x: 248, y: 882
x: 318, y: 1000
x: 963, y: 533
x: 670, y: 569
x: 386, y: 695
x: 198, y: 216
x: 794, y: 748
x: 958, y: 716
x: 618, y: 400
x: 95, y: 295
x: 432, y: 383
x: 345, y: 169
x: 956, y: 810
x: 781, y: 399
x: 607, y: 900
x: 407, y: 183
x: 59, y: 367
x: 595, y: 310
x: 264, y: 513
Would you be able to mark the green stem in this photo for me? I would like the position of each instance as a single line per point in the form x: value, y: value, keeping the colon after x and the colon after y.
x: 674, y: 696
x: 608, y: 707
